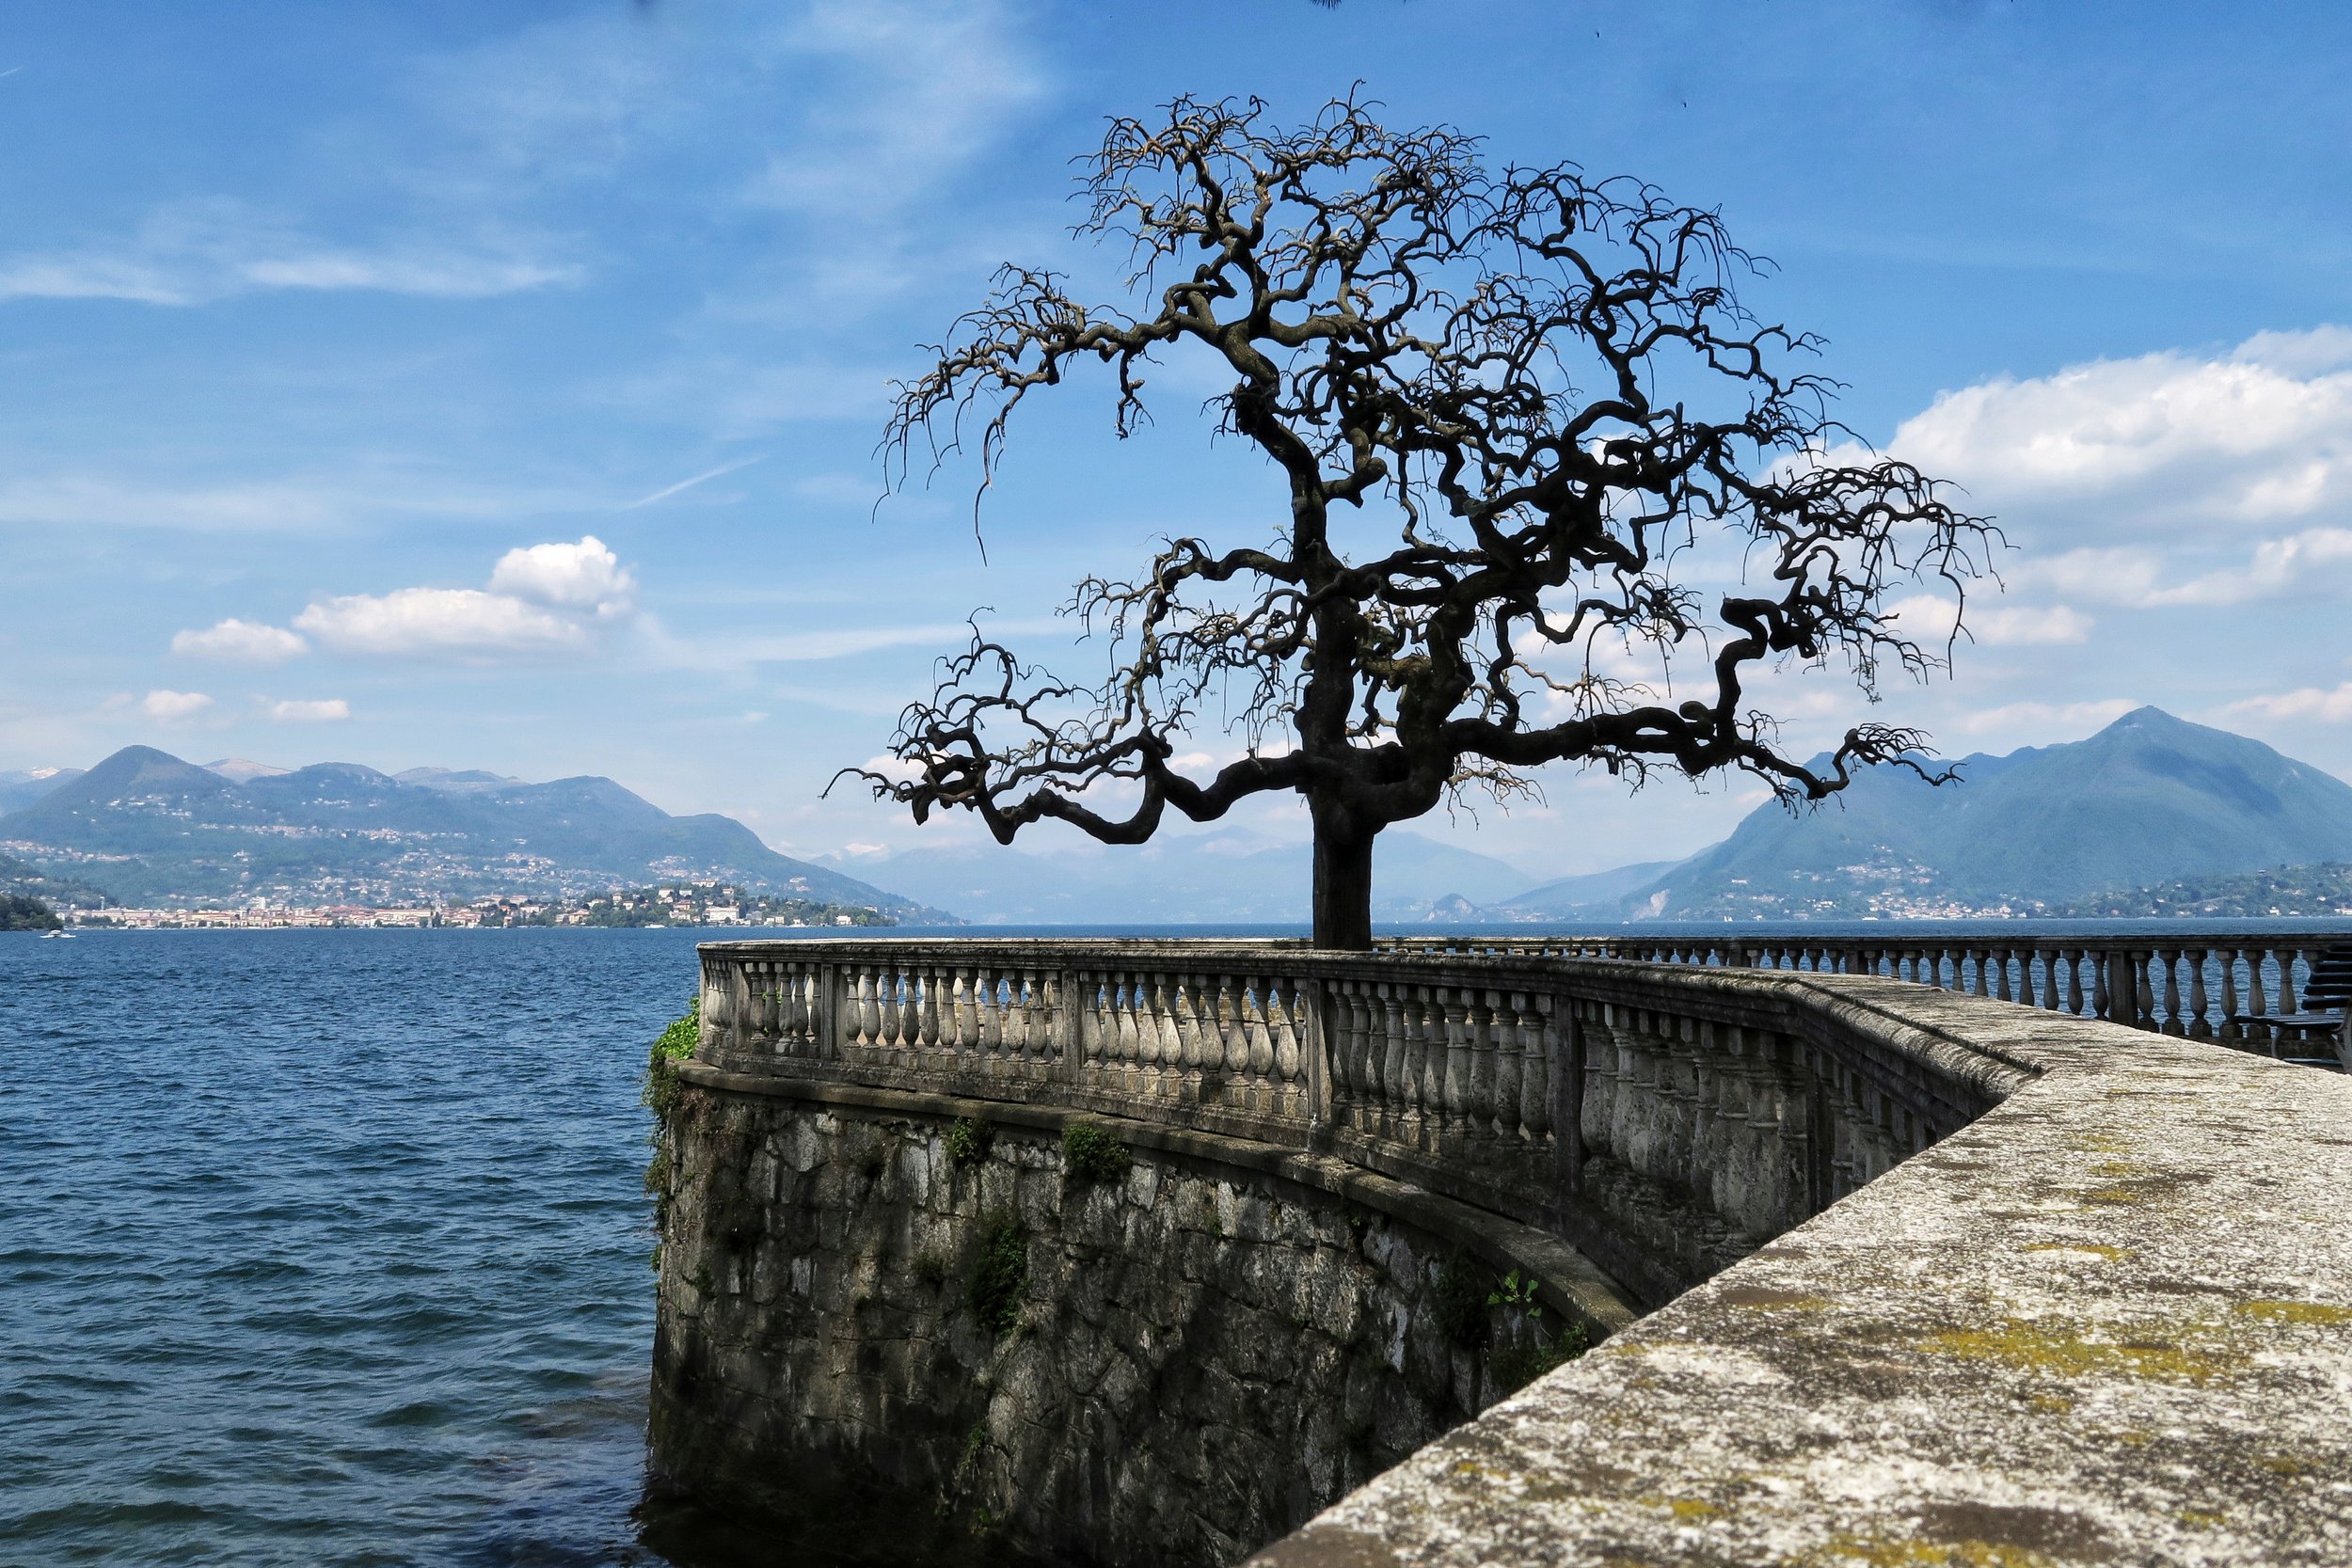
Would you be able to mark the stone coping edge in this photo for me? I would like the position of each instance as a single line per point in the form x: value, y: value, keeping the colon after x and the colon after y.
x: 1567, y: 1281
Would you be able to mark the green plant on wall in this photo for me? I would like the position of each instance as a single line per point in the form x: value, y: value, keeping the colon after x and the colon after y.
x: 660, y: 1094
x: 969, y: 1141
x: 1090, y: 1154
x: 673, y: 1045
x: 1000, y: 1273
x: 1517, y: 1292
x: 1533, y: 1352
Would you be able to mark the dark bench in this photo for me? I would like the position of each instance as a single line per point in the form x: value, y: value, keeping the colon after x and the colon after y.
x: 2326, y: 999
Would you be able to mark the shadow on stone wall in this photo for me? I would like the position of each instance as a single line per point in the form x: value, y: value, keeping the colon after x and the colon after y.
x: 947, y: 1341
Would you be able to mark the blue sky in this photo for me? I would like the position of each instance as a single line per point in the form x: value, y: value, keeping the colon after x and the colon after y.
x: 496, y: 385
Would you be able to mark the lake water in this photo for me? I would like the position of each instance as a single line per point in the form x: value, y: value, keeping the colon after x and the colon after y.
x: 326, y: 1246
x: 329, y: 1247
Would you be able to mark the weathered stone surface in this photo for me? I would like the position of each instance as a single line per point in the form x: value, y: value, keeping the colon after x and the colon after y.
x: 1206, y: 1351
x: 2109, y: 1321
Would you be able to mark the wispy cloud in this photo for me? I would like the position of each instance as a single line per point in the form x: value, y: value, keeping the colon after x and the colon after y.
x: 301, y: 502
x: 2047, y: 720
x: 685, y: 485
x: 196, y: 252
x: 742, y: 651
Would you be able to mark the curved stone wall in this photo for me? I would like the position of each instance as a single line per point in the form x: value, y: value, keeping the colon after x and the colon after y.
x: 957, y: 1340
x: 1940, y: 1281
x: 2109, y: 1321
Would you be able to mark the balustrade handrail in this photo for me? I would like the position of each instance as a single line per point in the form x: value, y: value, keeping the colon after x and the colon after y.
x: 2207, y: 985
x: 1663, y: 1118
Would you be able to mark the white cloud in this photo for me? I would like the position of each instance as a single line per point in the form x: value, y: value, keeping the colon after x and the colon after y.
x: 196, y: 252
x: 2279, y: 566
x: 171, y: 706
x: 2309, y: 704
x: 2303, y: 563
x: 585, y: 576
x: 2123, y: 575
x: 1928, y: 618
x: 2048, y: 720
x: 903, y: 93
x: 542, y: 598
x: 438, y: 621
x: 239, y: 641
x: 325, y: 712
x: 2265, y: 432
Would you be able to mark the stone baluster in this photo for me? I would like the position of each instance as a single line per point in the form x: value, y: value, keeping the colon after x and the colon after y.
x: 1425, y: 1021
x: 1137, y: 1043
x: 1290, y: 1031
x: 1453, y: 1082
x: 2143, y: 991
x: 1486, y: 1024
x: 1155, y: 1028
x: 2257, y: 999
x: 1004, y: 1000
x: 2167, y: 960
x: 2198, y: 1022
x: 1180, y: 1034
x: 1506, y: 1033
x: 1539, y: 1061
x: 856, y: 983
x: 1232, y: 1054
x: 876, y: 1007
x: 1258, y: 1010
x: 1366, y: 1053
x: 880, y: 1047
x: 1342, y: 1050
x: 2225, y: 960
x: 1394, y: 1058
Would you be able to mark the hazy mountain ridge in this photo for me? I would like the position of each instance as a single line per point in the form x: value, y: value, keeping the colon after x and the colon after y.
x: 148, y: 826
x: 2149, y: 799
x: 1226, y: 876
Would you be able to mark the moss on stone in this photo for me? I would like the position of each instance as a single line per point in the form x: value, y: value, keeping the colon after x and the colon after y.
x: 2061, y: 1352
x: 1090, y: 1154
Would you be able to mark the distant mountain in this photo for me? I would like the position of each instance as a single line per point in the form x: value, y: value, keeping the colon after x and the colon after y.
x: 1594, y: 893
x: 2148, y: 800
x: 22, y: 789
x: 238, y: 769
x: 453, y: 778
x: 150, y: 827
x: 1225, y: 876
x: 2279, y: 892
x: 19, y: 880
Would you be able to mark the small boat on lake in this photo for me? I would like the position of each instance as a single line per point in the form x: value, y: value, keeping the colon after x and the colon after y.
x: 53, y: 936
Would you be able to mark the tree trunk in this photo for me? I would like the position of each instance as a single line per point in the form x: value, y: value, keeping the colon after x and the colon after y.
x: 1343, y: 887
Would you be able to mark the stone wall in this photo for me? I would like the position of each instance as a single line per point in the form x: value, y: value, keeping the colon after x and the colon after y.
x: 954, y: 1337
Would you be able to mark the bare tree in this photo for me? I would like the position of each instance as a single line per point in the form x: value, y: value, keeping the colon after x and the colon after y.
x: 1503, y: 408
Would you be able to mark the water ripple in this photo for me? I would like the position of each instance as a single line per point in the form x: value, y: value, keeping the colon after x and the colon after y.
x: 327, y: 1246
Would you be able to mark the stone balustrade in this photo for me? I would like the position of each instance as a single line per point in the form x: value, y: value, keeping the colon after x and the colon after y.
x: 1932, y: 1278
x: 1664, y: 1119
x: 2191, y: 984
